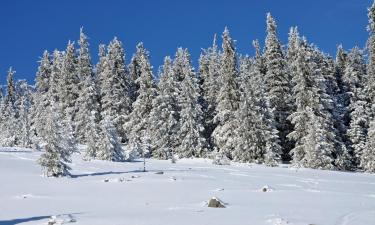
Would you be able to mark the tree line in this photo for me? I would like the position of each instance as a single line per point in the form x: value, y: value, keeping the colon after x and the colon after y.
x: 295, y: 104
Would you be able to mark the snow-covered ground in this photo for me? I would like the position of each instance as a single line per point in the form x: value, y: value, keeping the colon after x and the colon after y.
x: 179, y: 196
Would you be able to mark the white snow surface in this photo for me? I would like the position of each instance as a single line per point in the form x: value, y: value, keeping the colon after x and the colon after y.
x: 180, y: 195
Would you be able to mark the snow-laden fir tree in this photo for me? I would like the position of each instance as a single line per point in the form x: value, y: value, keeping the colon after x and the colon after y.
x: 93, y: 140
x: 291, y: 59
x: 228, y: 98
x: 69, y: 85
x: 56, y: 151
x: 138, y: 120
x: 312, y: 126
x: 9, y: 116
x: 41, y: 95
x: 115, y: 87
x: 277, y: 83
x: 109, y: 144
x: 256, y: 136
x: 164, y: 114
x: 209, y: 69
x: 24, y: 122
x: 358, y: 109
x: 191, y: 129
x: 135, y: 70
x: 367, y: 158
x: 370, y: 87
x: 56, y: 78
x: 88, y: 99
x: 10, y: 97
x: 324, y: 65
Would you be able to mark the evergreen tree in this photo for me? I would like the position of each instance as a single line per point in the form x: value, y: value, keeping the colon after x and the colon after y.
x: 358, y: 108
x: 56, y: 156
x: 370, y: 87
x: 88, y: 94
x: 135, y: 70
x: 255, y: 137
x: 93, y: 143
x: 313, y: 127
x: 41, y: 95
x: 190, y: 133
x: 164, y: 114
x: 138, y: 120
x: 277, y: 84
x: 109, y: 145
x: 209, y: 70
x: 228, y: 98
x: 115, y: 87
x: 10, y: 98
x: 69, y: 85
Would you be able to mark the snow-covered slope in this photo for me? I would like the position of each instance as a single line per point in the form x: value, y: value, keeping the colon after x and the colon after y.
x: 178, y: 197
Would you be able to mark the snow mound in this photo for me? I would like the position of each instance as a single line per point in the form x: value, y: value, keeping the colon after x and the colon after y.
x: 61, y: 219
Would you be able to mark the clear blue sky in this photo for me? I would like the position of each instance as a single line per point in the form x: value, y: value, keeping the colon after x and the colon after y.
x: 30, y: 26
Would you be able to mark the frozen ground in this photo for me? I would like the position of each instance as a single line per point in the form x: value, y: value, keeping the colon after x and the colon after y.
x: 177, y: 197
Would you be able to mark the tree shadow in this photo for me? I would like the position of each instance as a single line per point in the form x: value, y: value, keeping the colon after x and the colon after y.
x: 31, y: 219
x: 23, y: 220
x: 104, y: 173
x: 122, y: 172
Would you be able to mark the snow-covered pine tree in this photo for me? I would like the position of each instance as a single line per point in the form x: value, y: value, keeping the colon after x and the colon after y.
x: 228, y: 98
x: 259, y: 59
x: 191, y: 129
x: 109, y: 144
x: 313, y: 128
x: 69, y: 85
x: 209, y: 69
x: 10, y: 98
x: 93, y: 140
x: 256, y: 136
x: 370, y: 87
x: 100, y: 67
x: 358, y: 109
x: 56, y: 151
x: 24, y: 121
x: 291, y: 57
x: 9, y: 122
x: 367, y: 158
x: 277, y: 84
x: 324, y: 65
x: 138, y: 120
x: 135, y: 71
x: 56, y: 78
x: 41, y: 95
x: 115, y: 87
x: 164, y: 114
x: 88, y: 99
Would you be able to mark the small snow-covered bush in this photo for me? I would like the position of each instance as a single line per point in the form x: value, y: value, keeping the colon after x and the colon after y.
x: 220, y: 158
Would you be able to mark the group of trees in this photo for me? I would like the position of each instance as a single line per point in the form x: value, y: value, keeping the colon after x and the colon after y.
x: 294, y: 104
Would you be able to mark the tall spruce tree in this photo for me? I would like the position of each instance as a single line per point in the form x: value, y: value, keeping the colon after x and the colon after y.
x: 56, y: 151
x: 191, y: 129
x: 115, y: 87
x: 256, y: 136
x: 312, y: 123
x: 164, y: 114
x: 209, y: 73
x: 69, y: 85
x: 228, y: 98
x: 138, y: 120
x: 277, y: 84
x: 41, y: 95
x: 88, y: 99
x: 358, y: 109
